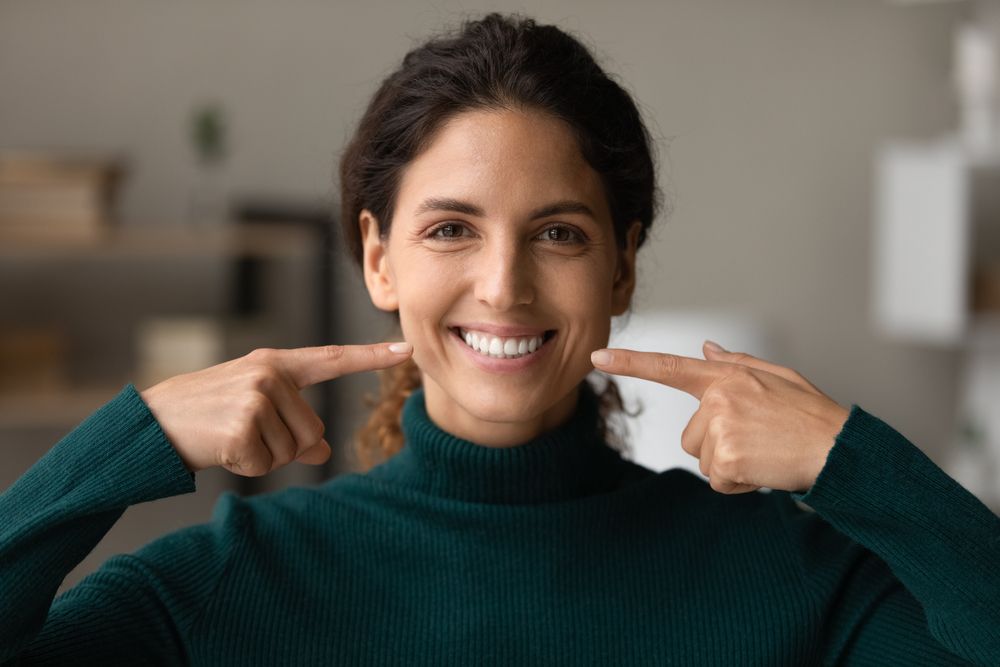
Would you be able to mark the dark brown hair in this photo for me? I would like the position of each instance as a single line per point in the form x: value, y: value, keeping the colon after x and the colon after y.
x: 496, y: 62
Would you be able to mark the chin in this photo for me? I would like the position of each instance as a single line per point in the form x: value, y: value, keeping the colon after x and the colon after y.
x: 511, y: 406
x: 500, y: 408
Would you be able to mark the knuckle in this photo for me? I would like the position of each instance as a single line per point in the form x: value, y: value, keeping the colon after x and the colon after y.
x: 256, y: 461
x: 722, y: 484
x: 714, y: 398
x: 716, y: 430
x: 689, y: 441
x: 748, y: 379
x: 258, y: 465
x: 234, y: 457
x: 688, y: 444
x: 717, y: 484
x: 798, y: 377
x: 741, y: 373
x: 263, y: 355
x: 727, y: 462
x: 668, y: 364
x: 282, y: 457
x: 255, y: 404
x: 756, y: 384
x: 236, y: 438
x: 334, y: 352
x: 317, y: 430
x: 264, y: 379
x: 226, y: 457
x: 704, y: 467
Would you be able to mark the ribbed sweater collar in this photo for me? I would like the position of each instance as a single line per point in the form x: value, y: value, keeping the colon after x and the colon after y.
x: 569, y: 461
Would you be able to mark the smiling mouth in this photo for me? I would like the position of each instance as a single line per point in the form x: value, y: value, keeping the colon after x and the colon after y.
x: 499, y: 347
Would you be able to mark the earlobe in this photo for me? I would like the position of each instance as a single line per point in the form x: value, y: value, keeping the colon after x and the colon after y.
x: 378, y: 277
x: 624, y: 284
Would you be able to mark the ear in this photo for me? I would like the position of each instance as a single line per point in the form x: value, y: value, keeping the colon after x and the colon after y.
x: 375, y: 263
x: 624, y: 285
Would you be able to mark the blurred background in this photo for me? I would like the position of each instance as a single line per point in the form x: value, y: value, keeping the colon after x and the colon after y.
x: 168, y: 189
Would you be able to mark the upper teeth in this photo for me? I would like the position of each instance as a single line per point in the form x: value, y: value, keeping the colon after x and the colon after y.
x: 501, y: 348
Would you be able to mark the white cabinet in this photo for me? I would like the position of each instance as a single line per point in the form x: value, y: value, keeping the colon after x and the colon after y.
x: 936, y: 249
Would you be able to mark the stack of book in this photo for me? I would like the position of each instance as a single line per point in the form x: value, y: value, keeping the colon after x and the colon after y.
x: 32, y: 360
x: 56, y: 196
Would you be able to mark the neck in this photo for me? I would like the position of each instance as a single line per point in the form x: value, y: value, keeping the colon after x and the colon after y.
x: 568, y: 462
x: 454, y: 418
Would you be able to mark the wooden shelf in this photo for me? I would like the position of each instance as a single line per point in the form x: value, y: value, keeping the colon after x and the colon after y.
x: 64, y: 407
x: 55, y: 409
x: 265, y: 240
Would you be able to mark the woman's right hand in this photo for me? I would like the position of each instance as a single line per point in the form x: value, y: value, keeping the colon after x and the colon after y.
x: 247, y: 415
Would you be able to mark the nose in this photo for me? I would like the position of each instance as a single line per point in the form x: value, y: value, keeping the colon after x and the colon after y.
x: 505, y: 277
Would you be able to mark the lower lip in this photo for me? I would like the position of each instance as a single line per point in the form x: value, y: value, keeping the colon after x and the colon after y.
x: 495, y: 365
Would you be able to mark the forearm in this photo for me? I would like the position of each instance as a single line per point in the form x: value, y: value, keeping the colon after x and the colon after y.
x: 55, y: 514
x: 940, y: 541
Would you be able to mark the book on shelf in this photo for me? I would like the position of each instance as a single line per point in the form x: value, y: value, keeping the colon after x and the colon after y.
x: 55, y: 196
x: 32, y: 360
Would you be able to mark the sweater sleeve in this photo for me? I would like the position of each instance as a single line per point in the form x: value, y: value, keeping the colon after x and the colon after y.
x: 55, y: 514
x: 923, y: 587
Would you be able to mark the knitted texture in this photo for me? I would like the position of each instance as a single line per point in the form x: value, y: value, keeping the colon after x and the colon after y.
x: 556, y: 552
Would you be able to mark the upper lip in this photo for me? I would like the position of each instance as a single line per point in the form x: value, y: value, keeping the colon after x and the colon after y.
x: 501, y: 330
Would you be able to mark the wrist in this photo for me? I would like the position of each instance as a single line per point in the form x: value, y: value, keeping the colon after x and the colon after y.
x: 836, y: 419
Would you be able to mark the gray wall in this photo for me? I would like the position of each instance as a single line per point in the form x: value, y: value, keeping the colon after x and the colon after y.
x: 766, y: 112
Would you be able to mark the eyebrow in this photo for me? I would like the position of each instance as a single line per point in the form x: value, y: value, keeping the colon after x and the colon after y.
x: 459, y: 206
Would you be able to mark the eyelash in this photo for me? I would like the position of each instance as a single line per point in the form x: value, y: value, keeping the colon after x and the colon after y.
x: 579, y: 237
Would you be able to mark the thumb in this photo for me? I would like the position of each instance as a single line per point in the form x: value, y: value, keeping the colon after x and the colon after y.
x: 715, y: 351
x: 317, y: 454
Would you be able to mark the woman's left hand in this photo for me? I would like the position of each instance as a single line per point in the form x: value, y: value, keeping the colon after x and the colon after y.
x: 758, y: 425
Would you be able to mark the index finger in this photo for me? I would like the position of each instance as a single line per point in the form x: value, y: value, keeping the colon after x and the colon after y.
x: 691, y: 375
x: 310, y: 365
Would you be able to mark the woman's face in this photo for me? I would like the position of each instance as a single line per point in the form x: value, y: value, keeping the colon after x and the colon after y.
x: 502, y: 261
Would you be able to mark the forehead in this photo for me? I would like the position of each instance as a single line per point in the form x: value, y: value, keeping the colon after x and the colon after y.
x: 508, y: 161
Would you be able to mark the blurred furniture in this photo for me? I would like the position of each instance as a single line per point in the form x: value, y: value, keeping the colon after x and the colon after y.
x: 136, y: 256
x: 57, y: 194
x: 317, y: 224
x: 936, y: 254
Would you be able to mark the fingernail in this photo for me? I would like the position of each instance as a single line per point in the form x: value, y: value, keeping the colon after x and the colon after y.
x: 712, y: 345
x: 600, y: 358
x: 400, y: 348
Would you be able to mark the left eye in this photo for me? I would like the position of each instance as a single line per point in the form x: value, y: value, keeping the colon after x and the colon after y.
x: 560, y: 235
x: 449, y: 230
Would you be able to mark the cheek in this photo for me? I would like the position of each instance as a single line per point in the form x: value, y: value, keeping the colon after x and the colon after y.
x: 584, y: 304
x: 583, y: 292
x: 423, y: 306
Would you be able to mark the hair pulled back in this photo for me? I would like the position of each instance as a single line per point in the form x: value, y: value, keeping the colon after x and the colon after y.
x: 496, y: 62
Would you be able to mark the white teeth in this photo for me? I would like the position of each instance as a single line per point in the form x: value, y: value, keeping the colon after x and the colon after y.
x: 501, y: 348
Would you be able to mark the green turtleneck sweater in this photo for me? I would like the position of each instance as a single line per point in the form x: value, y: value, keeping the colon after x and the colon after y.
x: 450, y: 553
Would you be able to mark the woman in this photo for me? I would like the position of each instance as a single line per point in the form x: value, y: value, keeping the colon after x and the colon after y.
x: 495, y: 196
